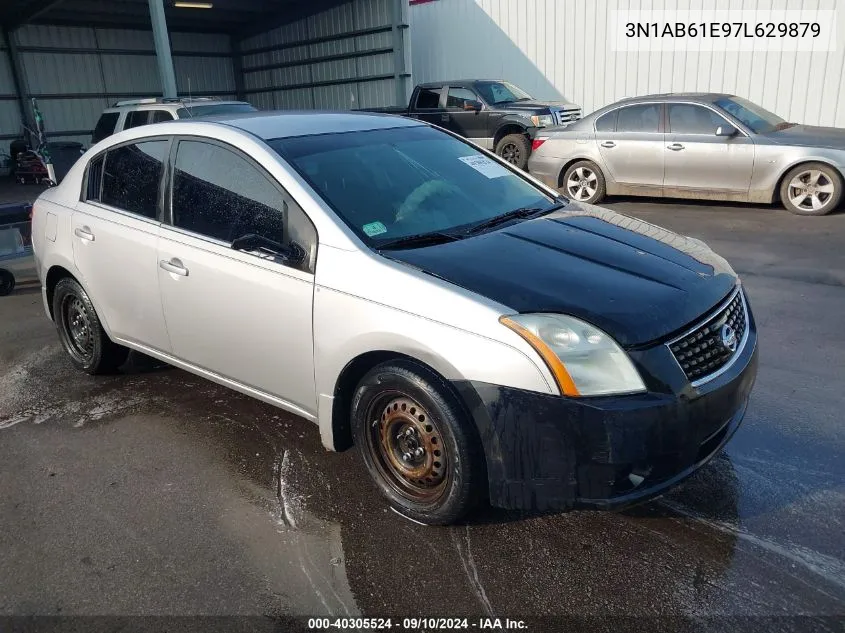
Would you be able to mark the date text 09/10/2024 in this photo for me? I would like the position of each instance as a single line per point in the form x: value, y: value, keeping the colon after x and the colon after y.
x: 413, y: 624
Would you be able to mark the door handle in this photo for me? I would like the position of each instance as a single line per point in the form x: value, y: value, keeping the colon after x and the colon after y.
x: 608, y: 144
x: 84, y: 233
x: 675, y: 147
x: 444, y: 118
x: 174, y: 266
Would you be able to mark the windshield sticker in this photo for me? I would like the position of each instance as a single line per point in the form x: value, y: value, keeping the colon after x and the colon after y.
x: 484, y: 165
x: 374, y: 228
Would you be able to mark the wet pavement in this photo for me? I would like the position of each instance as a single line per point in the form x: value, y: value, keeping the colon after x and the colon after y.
x: 159, y: 493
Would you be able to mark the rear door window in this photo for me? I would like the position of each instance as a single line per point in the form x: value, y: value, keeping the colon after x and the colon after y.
x: 639, y: 118
x: 132, y: 175
x: 93, y: 188
x: 105, y: 126
x: 607, y: 122
x: 136, y: 118
x: 428, y: 99
x: 159, y: 116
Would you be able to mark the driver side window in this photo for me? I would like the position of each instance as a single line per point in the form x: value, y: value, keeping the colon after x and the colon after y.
x: 219, y: 194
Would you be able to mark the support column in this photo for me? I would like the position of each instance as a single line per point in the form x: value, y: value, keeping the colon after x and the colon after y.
x: 238, y: 67
x: 18, y: 81
x: 162, y: 44
x: 401, y: 44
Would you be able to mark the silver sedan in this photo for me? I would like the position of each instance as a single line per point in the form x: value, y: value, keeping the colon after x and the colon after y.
x: 696, y: 145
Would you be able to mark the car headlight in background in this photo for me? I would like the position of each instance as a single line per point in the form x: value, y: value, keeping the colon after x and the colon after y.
x: 584, y: 360
x: 542, y: 120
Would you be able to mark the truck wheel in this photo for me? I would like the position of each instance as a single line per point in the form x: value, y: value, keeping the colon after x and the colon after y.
x: 7, y: 283
x: 81, y: 333
x: 584, y: 182
x: 418, y: 444
x: 514, y: 148
x: 811, y: 189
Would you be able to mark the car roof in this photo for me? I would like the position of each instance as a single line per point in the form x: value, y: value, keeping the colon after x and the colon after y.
x: 272, y: 125
x: 458, y: 82
x: 701, y: 97
x: 171, y: 105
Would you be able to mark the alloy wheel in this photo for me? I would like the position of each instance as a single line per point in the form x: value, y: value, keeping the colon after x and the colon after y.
x: 811, y: 190
x: 512, y: 153
x: 582, y: 183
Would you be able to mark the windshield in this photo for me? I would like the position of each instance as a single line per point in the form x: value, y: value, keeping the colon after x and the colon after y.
x: 212, y: 109
x: 753, y: 116
x: 394, y: 183
x: 495, y: 92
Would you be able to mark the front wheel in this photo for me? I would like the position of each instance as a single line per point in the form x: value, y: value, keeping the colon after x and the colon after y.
x: 514, y: 148
x: 7, y: 283
x: 584, y: 182
x: 417, y: 443
x: 81, y: 333
x: 811, y: 189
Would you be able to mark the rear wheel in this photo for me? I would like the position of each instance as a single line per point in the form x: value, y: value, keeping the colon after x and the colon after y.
x: 514, y: 148
x: 7, y: 283
x: 417, y: 443
x: 811, y: 189
x: 584, y: 182
x: 81, y: 332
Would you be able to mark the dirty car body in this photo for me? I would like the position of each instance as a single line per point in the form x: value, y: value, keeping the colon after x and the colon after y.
x: 671, y: 145
x: 583, y: 357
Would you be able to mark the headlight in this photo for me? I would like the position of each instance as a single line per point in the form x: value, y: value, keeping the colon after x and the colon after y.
x: 584, y: 360
x: 542, y: 120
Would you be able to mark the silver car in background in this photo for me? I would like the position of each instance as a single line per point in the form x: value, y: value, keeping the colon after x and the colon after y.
x: 694, y: 145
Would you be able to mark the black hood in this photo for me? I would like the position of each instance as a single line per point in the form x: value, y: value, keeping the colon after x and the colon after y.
x: 535, y: 106
x: 636, y: 281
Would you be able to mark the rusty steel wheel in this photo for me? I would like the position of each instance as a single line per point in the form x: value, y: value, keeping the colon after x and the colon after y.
x: 418, y: 442
x: 407, y: 448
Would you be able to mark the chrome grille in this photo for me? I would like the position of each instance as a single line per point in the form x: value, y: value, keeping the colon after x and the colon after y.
x: 703, y: 351
x: 567, y: 116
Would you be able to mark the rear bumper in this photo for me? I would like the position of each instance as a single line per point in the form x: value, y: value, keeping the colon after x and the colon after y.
x: 545, y: 169
x: 548, y: 452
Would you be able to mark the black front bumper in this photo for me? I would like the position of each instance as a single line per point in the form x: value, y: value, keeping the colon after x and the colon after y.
x: 549, y: 452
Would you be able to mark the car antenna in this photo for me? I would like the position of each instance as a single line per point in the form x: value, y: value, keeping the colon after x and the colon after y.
x: 188, y: 106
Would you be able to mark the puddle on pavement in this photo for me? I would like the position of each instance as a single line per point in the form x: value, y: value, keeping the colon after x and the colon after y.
x: 330, y: 542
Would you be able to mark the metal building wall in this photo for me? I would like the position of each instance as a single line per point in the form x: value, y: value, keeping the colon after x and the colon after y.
x: 353, y: 55
x: 10, y: 120
x: 559, y: 48
x: 76, y: 72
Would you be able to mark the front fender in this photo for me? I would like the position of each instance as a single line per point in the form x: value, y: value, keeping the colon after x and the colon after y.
x: 366, y: 326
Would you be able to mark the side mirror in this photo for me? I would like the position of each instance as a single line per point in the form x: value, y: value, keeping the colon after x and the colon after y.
x: 472, y: 106
x: 291, y: 254
x: 726, y: 130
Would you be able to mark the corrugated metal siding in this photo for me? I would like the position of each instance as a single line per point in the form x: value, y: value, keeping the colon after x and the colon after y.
x: 204, y: 74
x: 108, y: 68
x: 356, y: 81
x: 557, y: 49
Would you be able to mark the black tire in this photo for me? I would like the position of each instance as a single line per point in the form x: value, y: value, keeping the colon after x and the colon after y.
x: 828, y: 178
x: 591, y: 187
x: 81, y: 333
x: 515, y: 149
x: 7, y: 283
x: 400, y: 395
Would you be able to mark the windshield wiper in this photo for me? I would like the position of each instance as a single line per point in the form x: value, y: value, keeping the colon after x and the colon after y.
x: 420, y: 239
x: 521, y: 212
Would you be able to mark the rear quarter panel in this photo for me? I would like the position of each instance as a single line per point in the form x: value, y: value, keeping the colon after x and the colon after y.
x: 562, y: 148
x: 771, y: 162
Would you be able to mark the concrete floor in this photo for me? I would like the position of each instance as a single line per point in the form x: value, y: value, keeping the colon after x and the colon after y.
x: 158, y: 493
